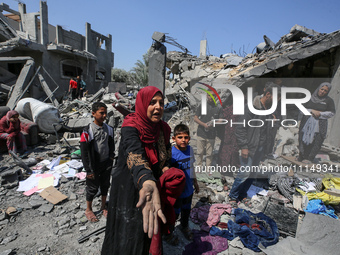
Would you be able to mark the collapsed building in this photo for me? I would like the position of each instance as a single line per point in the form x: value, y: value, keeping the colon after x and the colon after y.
x: 302, y: 58
x: 301, y: 54
x: 37, y: 59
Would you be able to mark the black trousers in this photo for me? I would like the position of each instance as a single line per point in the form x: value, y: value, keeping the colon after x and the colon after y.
x: 102, y: 175
x: 183, y: 207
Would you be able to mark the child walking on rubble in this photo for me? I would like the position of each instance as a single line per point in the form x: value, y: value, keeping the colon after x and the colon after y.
x: 97, y: 151
x: 183, y: 158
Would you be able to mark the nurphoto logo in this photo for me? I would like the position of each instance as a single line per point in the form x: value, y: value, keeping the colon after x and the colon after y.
x: 239, y: 106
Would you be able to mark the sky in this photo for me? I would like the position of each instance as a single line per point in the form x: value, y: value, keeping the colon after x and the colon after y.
x: 228, y: 26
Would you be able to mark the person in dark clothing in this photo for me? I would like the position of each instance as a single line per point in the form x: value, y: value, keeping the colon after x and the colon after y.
x: 228, y: 151
x: 206, y: 133
x: 276, y: 115
x: 313, y: 128
x: 97, y: 151
x: 81, y: 85
x: 143, y: 185
x: 251, y: 140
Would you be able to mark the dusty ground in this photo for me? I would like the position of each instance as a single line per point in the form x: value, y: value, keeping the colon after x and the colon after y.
x: 38, y: 227
x: 33, y: 231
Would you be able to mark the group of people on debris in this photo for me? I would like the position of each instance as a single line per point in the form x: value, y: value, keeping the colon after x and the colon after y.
x: 152, y: 184
x: 77, y: 88
x: 245, y: 146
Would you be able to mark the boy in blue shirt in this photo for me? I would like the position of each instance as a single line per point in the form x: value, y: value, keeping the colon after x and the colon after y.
x: 183, y: 158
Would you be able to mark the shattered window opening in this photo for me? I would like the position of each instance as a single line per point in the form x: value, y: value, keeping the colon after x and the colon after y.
x: 100, y: 75
x: 101, y: 43
x: 15, y: 68
x: 71, y: 71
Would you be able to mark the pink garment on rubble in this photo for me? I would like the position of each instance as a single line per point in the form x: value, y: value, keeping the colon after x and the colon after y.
x: 215, y: 212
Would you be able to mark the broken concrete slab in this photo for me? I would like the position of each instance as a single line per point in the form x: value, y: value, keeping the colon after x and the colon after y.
x: 232, y: 60
x: 308, y: 240
x: 157, y: 63
x: 47, y: 90
x: 10, y: 177
x: 78, y: 124
x: 35, y: 203
x: 47, y: 208
x: 98, y: 95
x: 6, y: 252
x: 21, y: 83
x: 117, y: 87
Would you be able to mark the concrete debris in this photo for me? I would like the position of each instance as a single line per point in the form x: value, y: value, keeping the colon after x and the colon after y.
x: 53, y: 124
x: 44, y: 115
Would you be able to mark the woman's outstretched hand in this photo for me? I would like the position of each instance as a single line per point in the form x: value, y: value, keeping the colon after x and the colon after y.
x: 150, y: 203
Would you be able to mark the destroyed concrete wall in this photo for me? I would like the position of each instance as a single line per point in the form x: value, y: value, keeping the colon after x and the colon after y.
x: 62, y: 54
x: 71, y: 38
x: 333, y: 136
x: 101, y: 47
x: 304, y: 54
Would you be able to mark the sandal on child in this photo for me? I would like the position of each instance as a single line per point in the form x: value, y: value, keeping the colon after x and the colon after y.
x: 247, y: 202
x: 186, y: 232
x: 105, y: 213
x: 233, y: 203
x: 171, y: 239
x: 91, y: 217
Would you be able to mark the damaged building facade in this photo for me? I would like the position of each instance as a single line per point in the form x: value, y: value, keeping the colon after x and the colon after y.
x: 302, y: 58
x: 38, y: 60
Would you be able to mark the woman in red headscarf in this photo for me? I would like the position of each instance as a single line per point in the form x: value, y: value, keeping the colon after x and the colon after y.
x: 10, y: 131
x: 143, y: 188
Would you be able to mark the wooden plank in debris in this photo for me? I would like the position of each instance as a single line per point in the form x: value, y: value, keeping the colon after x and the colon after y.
x: 47, y: 90
x: 296, y: 162
x: 333, y: 192
x: 27, y: 87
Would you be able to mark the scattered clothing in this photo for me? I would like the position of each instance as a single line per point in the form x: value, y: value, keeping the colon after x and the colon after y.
x: 215, y: 212
x: 252, y: 229
x: 316, y: 206
x: 205, y: 244
x: 199, y: 215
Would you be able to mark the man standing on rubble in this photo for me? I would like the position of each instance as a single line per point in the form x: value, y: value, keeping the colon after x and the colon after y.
x: 206, y: 134
x: 73, y: 88
x: 251, y: 140
x: 81, y: 85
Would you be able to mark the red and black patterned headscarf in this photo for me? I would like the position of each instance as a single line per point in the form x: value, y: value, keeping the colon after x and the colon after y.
x: 15, y: 125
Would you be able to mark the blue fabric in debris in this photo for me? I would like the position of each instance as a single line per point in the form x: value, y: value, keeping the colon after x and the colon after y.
x: 252, y: 229
x: 214, y: 231
x: 316, y: 206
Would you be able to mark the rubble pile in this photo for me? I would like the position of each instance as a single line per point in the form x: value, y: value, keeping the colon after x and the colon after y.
x: 42, y: 193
